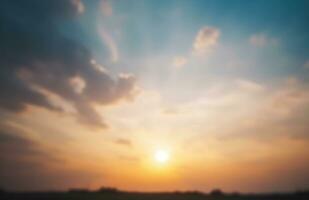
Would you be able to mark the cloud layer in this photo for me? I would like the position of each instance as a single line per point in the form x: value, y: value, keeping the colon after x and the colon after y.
x: 36, y: 57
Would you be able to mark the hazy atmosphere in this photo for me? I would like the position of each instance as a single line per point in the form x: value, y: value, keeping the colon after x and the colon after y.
x: 158, y: 95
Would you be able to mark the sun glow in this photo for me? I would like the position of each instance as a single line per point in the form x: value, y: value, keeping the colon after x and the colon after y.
x: 161, y: 156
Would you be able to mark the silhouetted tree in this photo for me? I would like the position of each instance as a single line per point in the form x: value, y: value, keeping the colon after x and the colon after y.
x: 216, y: 192
x: 78, y: 190
x: 108, y: 190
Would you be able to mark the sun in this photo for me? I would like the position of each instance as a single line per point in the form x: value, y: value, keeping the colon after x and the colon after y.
x: 161, y: 156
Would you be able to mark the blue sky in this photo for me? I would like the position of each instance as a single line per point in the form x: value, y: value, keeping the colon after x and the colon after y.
x: 162, y: 29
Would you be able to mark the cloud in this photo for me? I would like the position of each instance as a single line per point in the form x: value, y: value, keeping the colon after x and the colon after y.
x: 179, y: 61
x: 78, y: 84
x: 124, y: 142
x: 243, y: 109
x: 205, y: 40
x: 279, y: 113
x: 250, y: 110
x: 262, y: 40
x: 41, y: 57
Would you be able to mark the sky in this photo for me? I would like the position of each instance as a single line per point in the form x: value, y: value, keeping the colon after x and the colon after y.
x: 92, y: 90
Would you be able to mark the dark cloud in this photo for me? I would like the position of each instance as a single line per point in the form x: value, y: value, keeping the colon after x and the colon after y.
x: 26, y: 164
x: 12, y: 146
x: 34, y: 54
x: 20, y: 158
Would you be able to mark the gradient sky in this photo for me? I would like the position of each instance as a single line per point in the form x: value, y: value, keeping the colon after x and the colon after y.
x: 91, y: 89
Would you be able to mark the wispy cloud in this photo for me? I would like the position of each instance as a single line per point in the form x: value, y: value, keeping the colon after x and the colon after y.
x: 179, y: 61
x: 203, y: 44
x: 124, y: 142
x: 110, y: 43
x: 262, y: 40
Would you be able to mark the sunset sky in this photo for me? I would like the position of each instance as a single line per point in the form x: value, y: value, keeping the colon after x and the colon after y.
x: 157, y: 95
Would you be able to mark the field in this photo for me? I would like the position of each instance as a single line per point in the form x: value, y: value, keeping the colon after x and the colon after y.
x: 147, y: 196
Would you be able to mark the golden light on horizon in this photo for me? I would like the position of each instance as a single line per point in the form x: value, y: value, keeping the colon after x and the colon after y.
x: 161, y: 156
